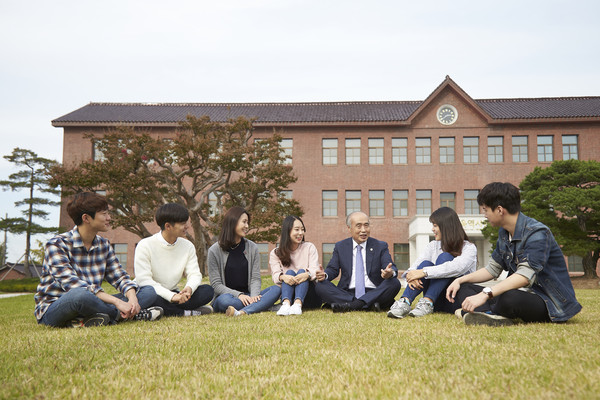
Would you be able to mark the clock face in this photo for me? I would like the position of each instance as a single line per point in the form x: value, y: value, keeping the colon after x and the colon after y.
x: 447, y: 114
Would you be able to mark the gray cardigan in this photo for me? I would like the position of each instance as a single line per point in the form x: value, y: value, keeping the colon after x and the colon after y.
x: 217, y: 259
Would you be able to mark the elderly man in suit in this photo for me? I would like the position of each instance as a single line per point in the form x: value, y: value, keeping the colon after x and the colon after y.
x: 368, y: 276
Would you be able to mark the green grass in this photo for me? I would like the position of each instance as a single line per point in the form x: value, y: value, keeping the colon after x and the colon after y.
x: 316, y: 355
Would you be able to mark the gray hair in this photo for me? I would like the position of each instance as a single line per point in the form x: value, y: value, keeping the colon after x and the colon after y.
x: 349, y: 217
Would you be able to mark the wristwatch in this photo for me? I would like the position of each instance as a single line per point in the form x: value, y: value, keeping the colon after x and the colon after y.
x: 488, y: 291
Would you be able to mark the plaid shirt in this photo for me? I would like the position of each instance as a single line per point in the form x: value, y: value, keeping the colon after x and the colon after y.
x: 68, y: 265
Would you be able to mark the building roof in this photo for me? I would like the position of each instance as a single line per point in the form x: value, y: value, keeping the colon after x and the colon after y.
x: 377, y: 112
x: 283, y: 113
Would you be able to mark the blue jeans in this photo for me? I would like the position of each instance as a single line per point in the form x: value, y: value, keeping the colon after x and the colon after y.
x: 80, y: 302
x: 288, y: 291
x: 268, y: 297
x: 432, y: 288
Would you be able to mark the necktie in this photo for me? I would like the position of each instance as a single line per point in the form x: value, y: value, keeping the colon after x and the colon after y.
x: 359, y: 275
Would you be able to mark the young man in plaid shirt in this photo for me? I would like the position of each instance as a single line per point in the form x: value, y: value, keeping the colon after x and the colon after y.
x: 76, y: 263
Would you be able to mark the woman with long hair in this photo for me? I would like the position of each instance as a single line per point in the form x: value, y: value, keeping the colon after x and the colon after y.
x: 294, y: 265
x: 234, y: 269
x: 448, y: 256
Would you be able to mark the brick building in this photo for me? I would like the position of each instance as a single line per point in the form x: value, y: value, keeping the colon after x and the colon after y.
x: 396, y: 160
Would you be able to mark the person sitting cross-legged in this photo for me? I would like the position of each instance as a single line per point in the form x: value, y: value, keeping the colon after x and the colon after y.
x: 75, y: 264
x: 368, y: 278
x: 163, y: 259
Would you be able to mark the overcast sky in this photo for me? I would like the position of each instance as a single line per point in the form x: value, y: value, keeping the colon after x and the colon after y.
x: 57, y: 56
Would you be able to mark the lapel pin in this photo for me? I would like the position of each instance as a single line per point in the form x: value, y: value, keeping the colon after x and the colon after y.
x: 371, y: 249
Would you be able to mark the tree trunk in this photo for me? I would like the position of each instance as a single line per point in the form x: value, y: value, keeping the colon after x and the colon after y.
x: 589, y: 265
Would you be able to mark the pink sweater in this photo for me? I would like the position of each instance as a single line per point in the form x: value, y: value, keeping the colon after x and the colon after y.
x: 304, y: 257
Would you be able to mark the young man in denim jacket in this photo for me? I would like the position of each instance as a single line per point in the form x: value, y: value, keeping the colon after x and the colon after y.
x: 538, y: 287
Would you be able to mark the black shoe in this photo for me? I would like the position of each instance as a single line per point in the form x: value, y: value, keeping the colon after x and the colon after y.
x: 341, y: 307
x: 375, y: 307
x: 149, y: 314
x: 98, y: 319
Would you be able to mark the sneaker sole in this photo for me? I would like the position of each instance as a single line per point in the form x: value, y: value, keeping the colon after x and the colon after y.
x: 479, y: 318
x: 98, y: 320
x: 391, y: 315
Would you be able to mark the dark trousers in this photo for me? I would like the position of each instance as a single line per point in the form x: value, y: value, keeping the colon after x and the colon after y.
x: 512, y: 304
x: 202, y: 295
x: 383, y: 294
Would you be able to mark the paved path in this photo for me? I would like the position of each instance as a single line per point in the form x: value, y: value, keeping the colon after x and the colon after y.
x: 2, y: 296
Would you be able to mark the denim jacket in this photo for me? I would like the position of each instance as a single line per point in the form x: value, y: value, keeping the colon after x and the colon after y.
x: 534, y: 244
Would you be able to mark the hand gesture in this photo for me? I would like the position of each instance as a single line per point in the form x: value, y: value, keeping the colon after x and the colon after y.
x: 320, y: 274
x: 388, y: 272
x: 452, y: 290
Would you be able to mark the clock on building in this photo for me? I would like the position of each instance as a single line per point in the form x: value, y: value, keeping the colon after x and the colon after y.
x: 447, y: 114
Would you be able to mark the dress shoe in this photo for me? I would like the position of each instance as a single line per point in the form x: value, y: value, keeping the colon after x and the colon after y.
x: 375, y: 307
x: 341, y: 307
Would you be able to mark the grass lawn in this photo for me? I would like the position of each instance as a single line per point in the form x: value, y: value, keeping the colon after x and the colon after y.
x: 316, y: 355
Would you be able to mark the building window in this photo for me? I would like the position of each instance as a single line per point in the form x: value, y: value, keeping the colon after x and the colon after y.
x: 212, y: 204
x: 423, y: 150
x: 471, y: 205
x: 519, y: 148
x: 569, y: 145
x: 352, y: 201
x: 376, y: 203
x: 330, y: 203
x: 448, y: 199
x: 400, y: 203
x: 544, y: 147
x: 352, y: 151
x: 446, y: 150
x: 263, y: 251
x: 495, y: 149
x: 330, y: 150
x: 286, y: 150
x: 575, y: 264
x: 327, y: 253
x: 471, y: 150
x: 401, y: 256
x: 375, y: 151
x: 399, y: 151
x: 97, y: 154
x: 423, y: 202
x: 121, y: 253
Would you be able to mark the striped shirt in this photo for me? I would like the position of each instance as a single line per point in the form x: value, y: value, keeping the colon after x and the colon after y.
x: 68, y: 265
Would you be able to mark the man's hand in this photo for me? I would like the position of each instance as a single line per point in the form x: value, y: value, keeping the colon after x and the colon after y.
x: 320, y: 274
x: 472, y: 302
x: 182, y: 297
x: 388, y: 272
x: 452, y: 290
x: 132, y: 300
x: 127, y: 309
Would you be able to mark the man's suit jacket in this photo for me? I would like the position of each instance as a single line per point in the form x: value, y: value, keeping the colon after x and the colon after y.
x: 377, y: 258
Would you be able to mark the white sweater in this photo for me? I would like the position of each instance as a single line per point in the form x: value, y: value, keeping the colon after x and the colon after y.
x: 461, y: 265
x: 162, y: 266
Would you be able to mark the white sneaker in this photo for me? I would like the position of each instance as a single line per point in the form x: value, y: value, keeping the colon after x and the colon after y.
x: 296, y: 309
x: 284, y: 310
x: 423, y: 308
x: 399, y: 309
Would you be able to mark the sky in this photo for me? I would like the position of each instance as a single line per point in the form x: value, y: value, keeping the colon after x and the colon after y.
x: 61, y: 55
